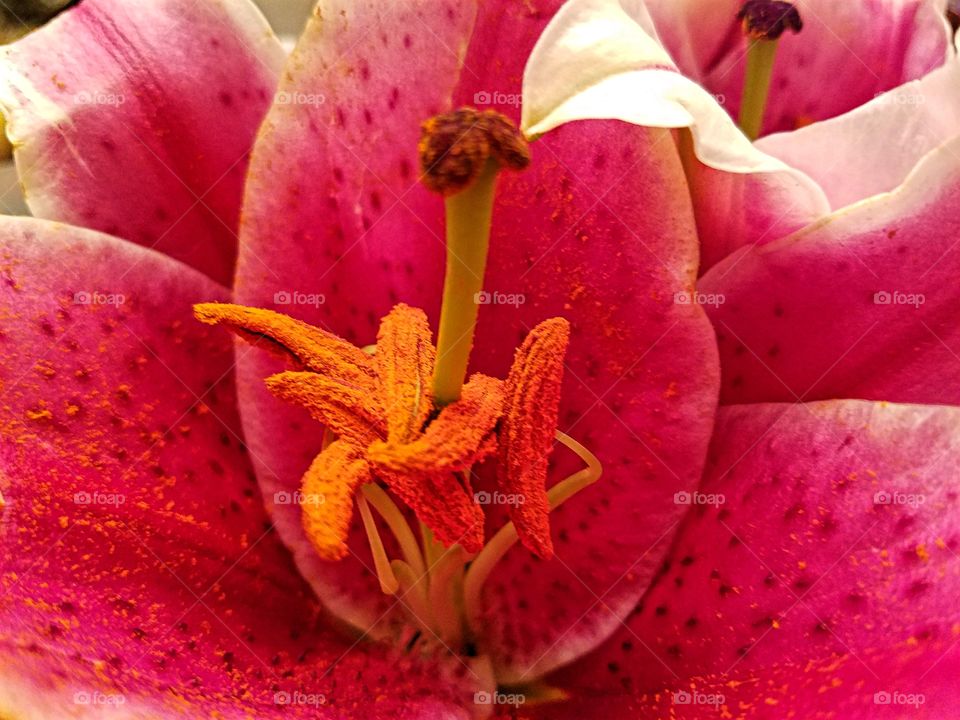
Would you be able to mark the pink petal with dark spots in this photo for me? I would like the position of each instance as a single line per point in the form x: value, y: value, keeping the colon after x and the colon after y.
x: 821, y: 531
x: 337, y: 228
x: 138, y: 568
x: 601, y: 59
x: 137, y: 120
x: 860, y: 305
x: 575, y: 235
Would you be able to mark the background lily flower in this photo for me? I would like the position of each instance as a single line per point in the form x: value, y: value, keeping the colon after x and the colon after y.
x: 600, y: 58
x: 846, y: 54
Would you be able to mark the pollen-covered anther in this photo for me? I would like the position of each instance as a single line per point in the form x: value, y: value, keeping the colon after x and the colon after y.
x: 769, y: 19
x: 454, y: 148
x: 531, y: 411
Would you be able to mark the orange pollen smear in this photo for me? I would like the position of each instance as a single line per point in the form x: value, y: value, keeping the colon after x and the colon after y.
x: 454, y: 147
x: 390, y: 430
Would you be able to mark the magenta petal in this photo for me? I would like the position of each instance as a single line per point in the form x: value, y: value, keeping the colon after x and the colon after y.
x: 572, y: 234
x: 136, y: 559
x: 859, y: 305
x: 138, y: 120
x: 337, y: 228
x: 887, y: 684
x: 846, y: 54
x: 822, y: 529
x: 599, y: 231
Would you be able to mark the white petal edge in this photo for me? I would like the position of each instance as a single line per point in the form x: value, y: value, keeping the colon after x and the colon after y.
x: 601, y: 59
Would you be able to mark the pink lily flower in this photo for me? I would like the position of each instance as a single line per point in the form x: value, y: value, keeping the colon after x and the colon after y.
x: 814, y: 541
x: 142, y: 574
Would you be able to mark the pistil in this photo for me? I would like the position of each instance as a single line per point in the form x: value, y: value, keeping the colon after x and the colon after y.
x: 764, y: 21
x: 461, y: 155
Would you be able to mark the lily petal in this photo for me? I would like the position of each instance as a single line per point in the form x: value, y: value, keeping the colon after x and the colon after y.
x: 606, y: 241
x: 888, y: 684
x: 335, y: 210
x: 138, y: 120
x: 821, y: 531
x: 859, y: 305
x: 841, y: 154
x: 139, y: 572
x: 648, y: 418
x: 600, y: 59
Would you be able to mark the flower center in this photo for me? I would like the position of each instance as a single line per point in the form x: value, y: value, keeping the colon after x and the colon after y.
x: 764, y: 21
x: 404, y: 423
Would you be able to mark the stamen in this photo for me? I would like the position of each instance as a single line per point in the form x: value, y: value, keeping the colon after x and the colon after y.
x: 413, y: 594
x: 405, y: 359
x: 388, y: 581
x: 507, y: 536
x: 529, y: 423
x: 309, y: 346
x: 461, y: 154
x: 327, y: 498
x: 455, y: 440
x: 440, y: 502
x: 446, y: 597
x: 398, y: 525
x: 348, y: 411
x: 764, y: 21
